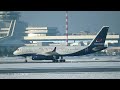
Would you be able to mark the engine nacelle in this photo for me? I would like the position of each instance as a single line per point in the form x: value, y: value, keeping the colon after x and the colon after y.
x: 42, y: 57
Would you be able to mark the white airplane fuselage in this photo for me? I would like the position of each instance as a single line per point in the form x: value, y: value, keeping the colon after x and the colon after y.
x: 41, y: 50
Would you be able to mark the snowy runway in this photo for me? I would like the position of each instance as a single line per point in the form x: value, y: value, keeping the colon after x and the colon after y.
x: 79, y: 68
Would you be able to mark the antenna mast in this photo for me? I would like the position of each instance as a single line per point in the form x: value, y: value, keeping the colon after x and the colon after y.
x: 67, y: 28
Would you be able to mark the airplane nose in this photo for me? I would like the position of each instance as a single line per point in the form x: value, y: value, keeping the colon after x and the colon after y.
x: 14, y: 53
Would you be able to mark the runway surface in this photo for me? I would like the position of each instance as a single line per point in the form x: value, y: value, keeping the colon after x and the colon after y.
x: 77, y: 68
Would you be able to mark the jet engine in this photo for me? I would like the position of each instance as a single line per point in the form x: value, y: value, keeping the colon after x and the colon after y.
x: 42, y: 57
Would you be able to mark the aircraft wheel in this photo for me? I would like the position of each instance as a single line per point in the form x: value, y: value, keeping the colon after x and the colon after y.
x: 63, y: 60
x: 26, y: 61
x: 55, y: 60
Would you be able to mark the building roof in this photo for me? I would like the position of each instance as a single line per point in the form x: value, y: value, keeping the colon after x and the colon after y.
x: 80, y: 37
x: 41, y: 28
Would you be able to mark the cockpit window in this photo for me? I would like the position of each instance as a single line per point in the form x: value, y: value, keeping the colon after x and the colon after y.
x: 18, y: 49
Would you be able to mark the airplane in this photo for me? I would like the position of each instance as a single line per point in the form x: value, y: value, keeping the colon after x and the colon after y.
x: 56, y: 53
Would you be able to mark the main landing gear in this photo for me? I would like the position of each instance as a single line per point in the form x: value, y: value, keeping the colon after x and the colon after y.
x: 56, y: 60
x: 62, y: 60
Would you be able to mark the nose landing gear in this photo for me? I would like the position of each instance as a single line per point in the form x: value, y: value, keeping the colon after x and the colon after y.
x: 26, y: 59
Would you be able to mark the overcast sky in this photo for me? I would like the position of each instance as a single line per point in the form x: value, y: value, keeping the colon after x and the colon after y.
x: 78, y: 20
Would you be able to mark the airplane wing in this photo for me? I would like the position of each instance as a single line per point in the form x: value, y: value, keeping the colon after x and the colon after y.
x: 49, y: 53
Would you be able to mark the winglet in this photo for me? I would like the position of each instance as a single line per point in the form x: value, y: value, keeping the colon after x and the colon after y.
x: 54, y: 50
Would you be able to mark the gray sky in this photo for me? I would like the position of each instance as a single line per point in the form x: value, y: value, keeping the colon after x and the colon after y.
x: 78, y: 20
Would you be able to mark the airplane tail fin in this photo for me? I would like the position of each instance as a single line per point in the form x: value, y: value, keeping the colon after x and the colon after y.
x: 100, y: 37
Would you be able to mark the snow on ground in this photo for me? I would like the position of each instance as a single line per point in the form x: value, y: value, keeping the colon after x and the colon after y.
x: 71, y: 75
x: 98, y: 63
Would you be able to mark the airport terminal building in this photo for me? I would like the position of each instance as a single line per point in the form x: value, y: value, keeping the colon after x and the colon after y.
x: 11, y: 29
x: 38, y: 35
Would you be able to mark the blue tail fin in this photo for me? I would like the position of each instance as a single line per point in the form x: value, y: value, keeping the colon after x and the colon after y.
x: 100, y: 37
